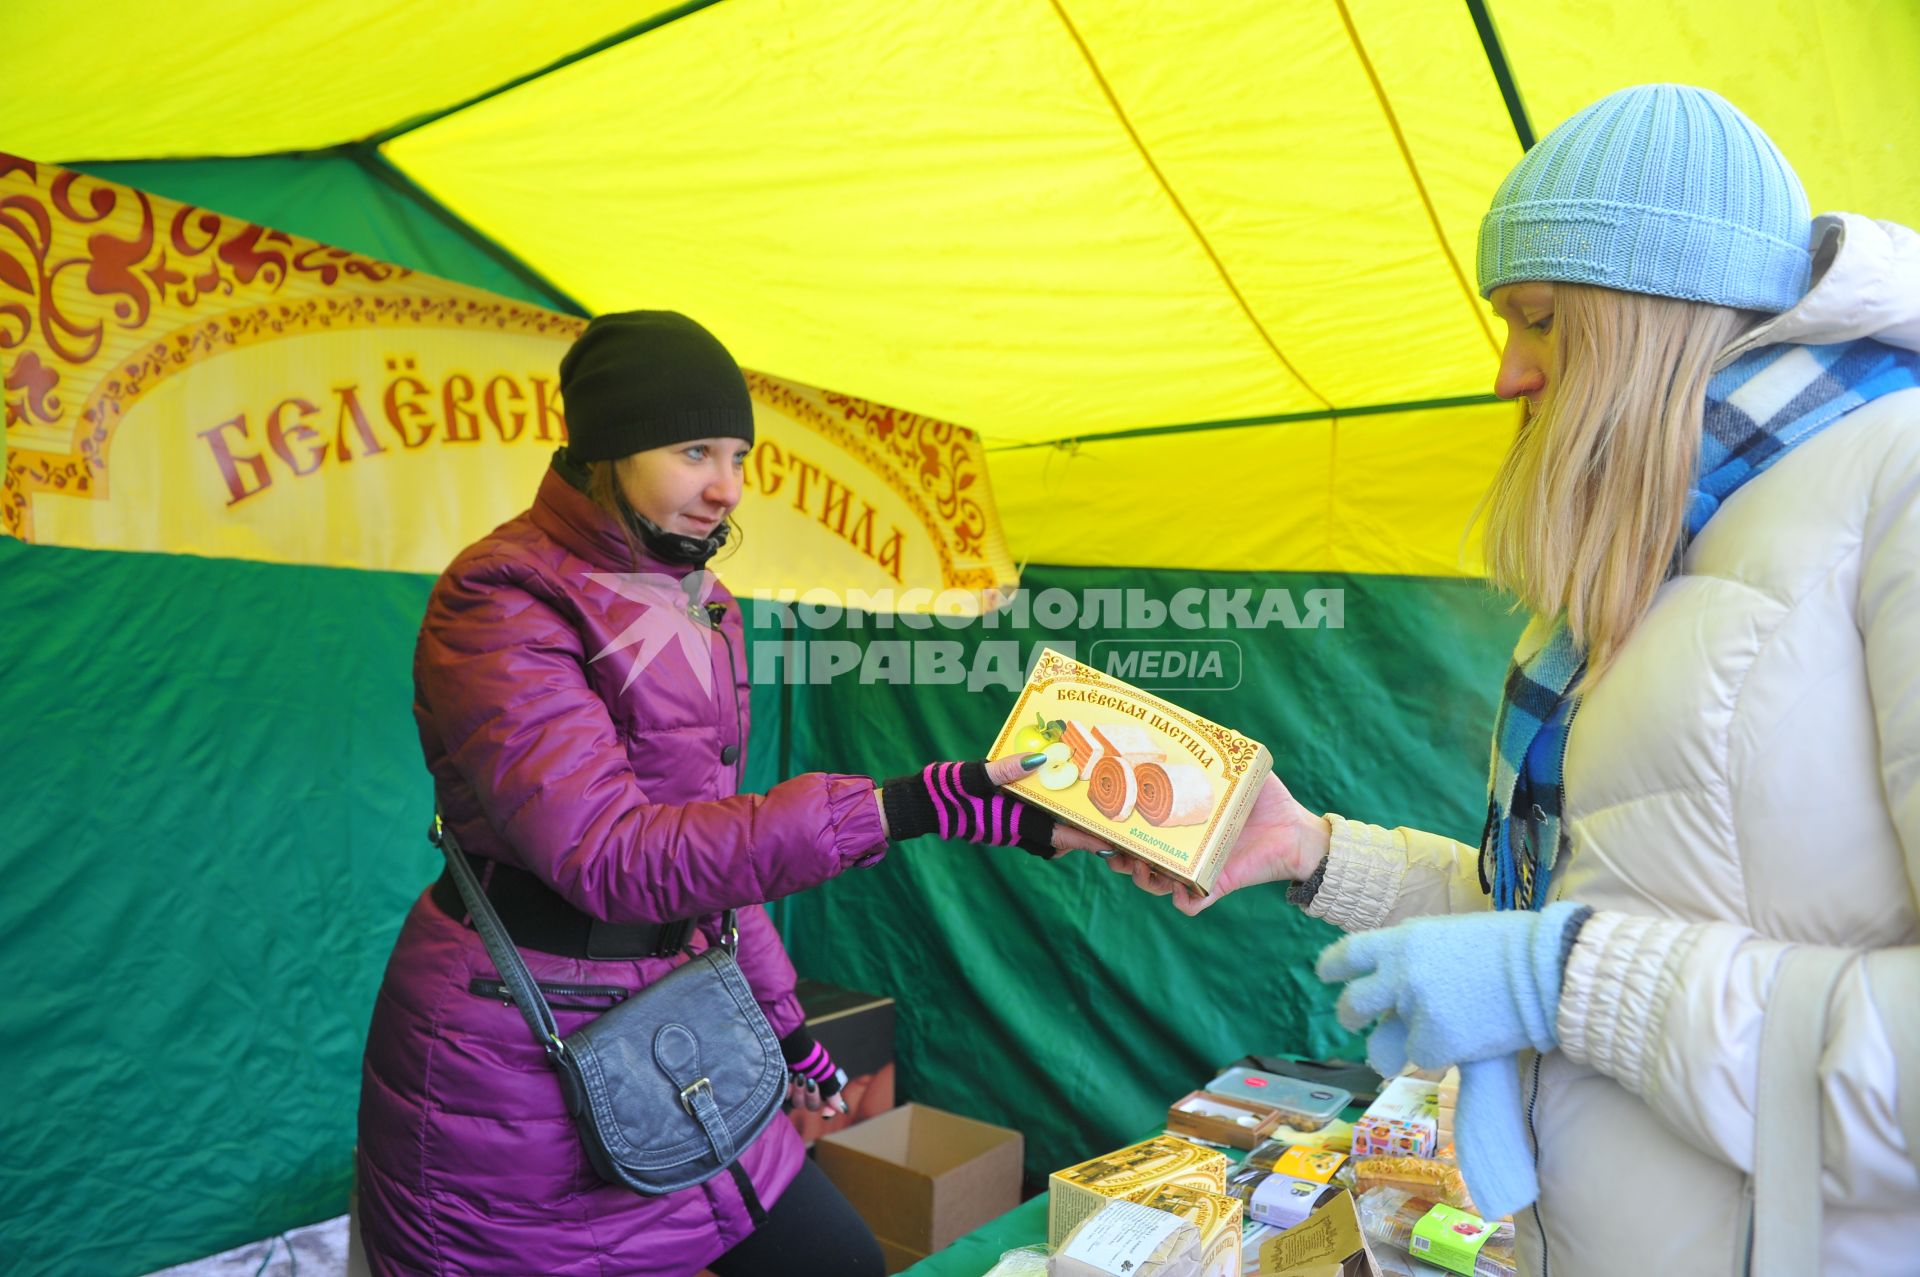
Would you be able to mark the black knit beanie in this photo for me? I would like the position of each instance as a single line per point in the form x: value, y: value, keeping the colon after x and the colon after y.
x: 649, y: 378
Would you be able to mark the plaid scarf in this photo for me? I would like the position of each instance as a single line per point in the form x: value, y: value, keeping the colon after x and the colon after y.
x: 1758, y: 407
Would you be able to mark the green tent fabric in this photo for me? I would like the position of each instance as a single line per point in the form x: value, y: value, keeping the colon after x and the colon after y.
x: 1225, y: 241
x: 216, y: 825
x: 212, y: 830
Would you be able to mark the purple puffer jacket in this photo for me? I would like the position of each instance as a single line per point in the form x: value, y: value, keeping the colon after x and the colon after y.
x: 607, y: 782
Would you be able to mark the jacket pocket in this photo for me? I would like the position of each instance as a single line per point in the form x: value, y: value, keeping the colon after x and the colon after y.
x: 560, y: 997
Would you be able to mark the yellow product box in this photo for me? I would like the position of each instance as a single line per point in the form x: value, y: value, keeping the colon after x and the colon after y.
x: 1157, y: 782
x: 1316, y: 1164
x: 1132, y: 1174
x: 1216, y: 1215
x: 1328, y: 1243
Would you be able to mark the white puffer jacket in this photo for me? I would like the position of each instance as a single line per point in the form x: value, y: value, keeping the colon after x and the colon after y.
x: 1745, y: 780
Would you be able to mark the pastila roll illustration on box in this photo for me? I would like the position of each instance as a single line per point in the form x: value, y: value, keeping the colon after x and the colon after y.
x: 1152, y: 779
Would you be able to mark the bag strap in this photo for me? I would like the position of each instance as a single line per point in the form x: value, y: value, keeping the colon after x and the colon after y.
x: 506, y: 958
x: 1786, y: 1153
x: 500, y: 947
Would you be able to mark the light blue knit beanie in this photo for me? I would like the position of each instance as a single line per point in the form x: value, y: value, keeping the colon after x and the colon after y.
x: 1663, y: 189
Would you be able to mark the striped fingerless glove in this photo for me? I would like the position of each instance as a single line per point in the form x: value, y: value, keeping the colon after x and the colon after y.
x: 958, y: 801
x: 809, y: 1064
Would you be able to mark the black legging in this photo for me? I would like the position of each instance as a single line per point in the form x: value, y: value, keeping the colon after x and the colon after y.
x: 812, y: 1231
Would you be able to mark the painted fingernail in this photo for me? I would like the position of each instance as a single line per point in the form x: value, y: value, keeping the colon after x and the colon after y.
x: 1105, y: 853
x: 1032, y: 761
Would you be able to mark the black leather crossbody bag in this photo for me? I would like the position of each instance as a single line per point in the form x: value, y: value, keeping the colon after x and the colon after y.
x: 671, y: 1085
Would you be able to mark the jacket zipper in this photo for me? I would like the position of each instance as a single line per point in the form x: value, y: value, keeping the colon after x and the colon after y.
x: 733, y: 696
x: 1533, y: 1095
x: 561, y: 997
x: 1743, y: 1267
x: 1539, y: 1225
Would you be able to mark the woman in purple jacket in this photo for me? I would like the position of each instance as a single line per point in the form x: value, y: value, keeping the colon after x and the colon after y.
x: 581, y: 694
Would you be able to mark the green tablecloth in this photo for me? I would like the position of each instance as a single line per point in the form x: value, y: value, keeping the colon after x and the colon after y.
x: 979, y: 1250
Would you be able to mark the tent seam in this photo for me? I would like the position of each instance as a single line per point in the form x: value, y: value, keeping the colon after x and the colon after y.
x: 378, y: 167
x: 1413, y: 172
x: 654, y: 23
x: 1240, y: 423
x: 1166, y: 186
x: 1503, y: 71
x: 1333, y: 494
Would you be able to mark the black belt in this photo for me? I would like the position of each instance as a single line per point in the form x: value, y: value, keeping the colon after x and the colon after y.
x: 538, y: 917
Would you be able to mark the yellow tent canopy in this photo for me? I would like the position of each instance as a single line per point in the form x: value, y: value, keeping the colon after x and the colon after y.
x: 1199, y: 275
x: 1051, y: 220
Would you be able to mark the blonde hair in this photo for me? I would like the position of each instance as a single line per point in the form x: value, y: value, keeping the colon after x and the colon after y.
x: 1585, y: 515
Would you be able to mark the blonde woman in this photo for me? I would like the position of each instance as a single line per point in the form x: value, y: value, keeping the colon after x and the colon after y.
x: 1679, y: 970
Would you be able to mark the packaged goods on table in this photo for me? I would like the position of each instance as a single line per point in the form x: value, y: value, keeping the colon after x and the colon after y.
x: 1302, y: 1106
x: 1023, y: 1261
x: 1336, y: 1135
x: 1447, y: 1098
x: 1133, y: 1173
x: 1216, y: 1215
x: 1328, y: 1244
x: 1126, y: 1239
x: 1437, y: 1234
x: 1217, y: 1119
x: 1424, y: 1177
x: 1159, y: 783
x: 1393, y: 1264
x: 1278, y: 1200
x: 1403, y: 1122
x: 1299, y: 1161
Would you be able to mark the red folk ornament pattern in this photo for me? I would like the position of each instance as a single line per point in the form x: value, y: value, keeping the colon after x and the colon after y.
x: 929, y: 463
x: 105, y: 290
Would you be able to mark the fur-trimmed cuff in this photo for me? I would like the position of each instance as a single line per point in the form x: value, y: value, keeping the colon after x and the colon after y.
x: 1364, y: 869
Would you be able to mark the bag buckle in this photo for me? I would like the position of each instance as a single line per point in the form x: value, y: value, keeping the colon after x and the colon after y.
x: 687, y: 1092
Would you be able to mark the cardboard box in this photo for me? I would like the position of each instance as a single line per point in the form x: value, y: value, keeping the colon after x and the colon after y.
x: 1131, y: 1174
x: 898, y: 1259
x: 857, y: 1030
x: 1328, y: 1243
x: 1159, y: 783
x: 922, y: 1177
x: 1217, y: 1217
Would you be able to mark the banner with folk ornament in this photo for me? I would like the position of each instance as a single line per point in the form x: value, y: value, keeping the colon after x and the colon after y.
x: 184, y: 382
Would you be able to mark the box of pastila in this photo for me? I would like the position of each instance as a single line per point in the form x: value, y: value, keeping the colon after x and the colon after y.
x: 1157, y: 782
x: 1216, y: 1215
x: 1133, y: 1174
